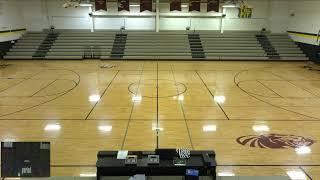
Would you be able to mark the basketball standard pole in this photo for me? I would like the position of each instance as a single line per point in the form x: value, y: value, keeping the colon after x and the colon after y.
x: 49, y: 20
x: 91, y: 19
x: 222, y: 19
x: 157, y: 16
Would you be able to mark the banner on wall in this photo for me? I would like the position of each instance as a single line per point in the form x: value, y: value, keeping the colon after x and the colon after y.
x: 123, y: 5
x: 213, y: 5
x: 175, y: 5
x: 145, y: 5
x: 100, y: 5
x: 245, y: 12
x: 194, y: 5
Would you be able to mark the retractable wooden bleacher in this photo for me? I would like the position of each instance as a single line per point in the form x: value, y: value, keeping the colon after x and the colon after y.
x: 174, y: 45
x: 286, y: 47
x: 162, y: 45
x: 26, y: 46
x: 231, y: 46
x: 81, y: 44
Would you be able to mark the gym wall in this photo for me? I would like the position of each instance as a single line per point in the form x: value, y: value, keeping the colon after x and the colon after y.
x: 41, y: 13
x: 304, y: 21
x: 11, y: 19
x: 275, y: 15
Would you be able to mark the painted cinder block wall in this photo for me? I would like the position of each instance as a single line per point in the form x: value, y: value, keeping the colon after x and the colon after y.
x: 275, y: 15
x: 11, y: 18
x: 38, y: 14
x: 305, y: 19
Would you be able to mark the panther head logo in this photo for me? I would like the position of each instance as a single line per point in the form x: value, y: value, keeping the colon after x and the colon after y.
x: 275, y: 141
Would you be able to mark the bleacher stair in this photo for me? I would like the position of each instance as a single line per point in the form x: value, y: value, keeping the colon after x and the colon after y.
x: 196, y: 46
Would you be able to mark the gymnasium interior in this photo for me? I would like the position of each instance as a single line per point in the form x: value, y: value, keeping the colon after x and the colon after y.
x: 160, y: 89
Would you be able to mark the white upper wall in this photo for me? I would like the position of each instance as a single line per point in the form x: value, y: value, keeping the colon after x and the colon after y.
x: 258, y: 20
x: 10, y: 19
x: 10, y: 15
x: 306, y: 18
x: 34, y: 14
x: 132, y: 23
x: 274, y: 15
x: 279, y: 15
x: 67, y: 18
x: 40, y: 14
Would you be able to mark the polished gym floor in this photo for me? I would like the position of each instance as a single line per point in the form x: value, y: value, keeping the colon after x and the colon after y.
x: 261, y: 118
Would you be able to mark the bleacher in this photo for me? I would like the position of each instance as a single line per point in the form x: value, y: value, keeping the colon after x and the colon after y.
x: 162, y: 45
x: 26, y: 46
x: 286, y: 48
x: 175, y: 45
x: 232, y: 46
x: 81, y: 45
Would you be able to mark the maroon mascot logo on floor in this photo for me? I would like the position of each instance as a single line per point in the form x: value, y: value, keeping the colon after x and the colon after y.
x: 275, y: 141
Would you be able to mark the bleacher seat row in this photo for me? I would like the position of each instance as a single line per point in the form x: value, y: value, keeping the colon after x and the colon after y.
x: 211, y: 45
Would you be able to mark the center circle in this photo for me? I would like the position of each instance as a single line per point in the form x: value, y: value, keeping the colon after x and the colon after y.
x: 166, y: 88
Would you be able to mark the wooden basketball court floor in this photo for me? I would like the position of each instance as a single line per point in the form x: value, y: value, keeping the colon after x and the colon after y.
x: 255, y: 115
